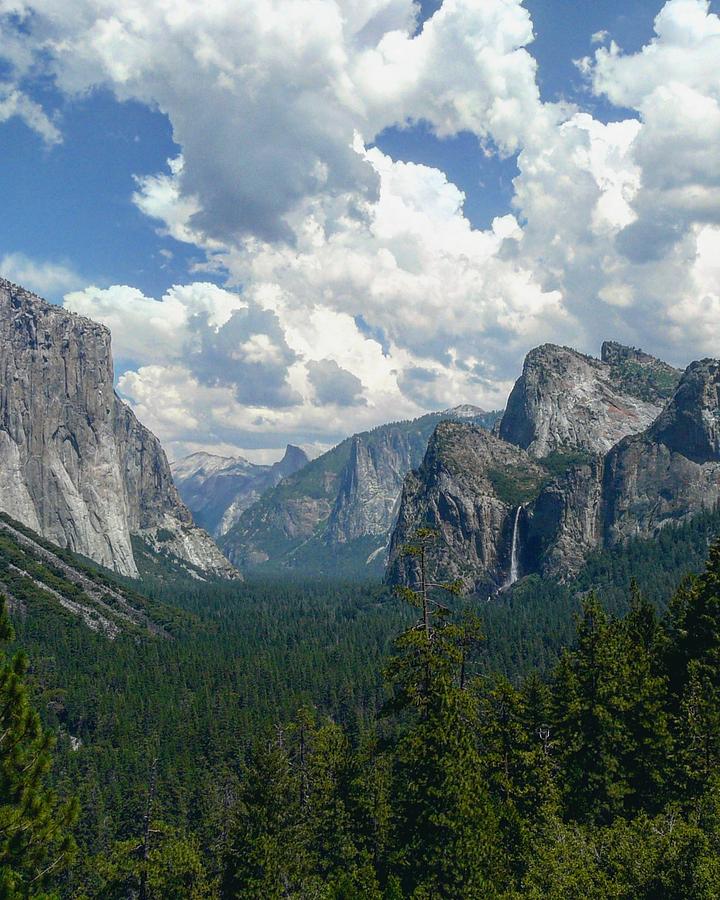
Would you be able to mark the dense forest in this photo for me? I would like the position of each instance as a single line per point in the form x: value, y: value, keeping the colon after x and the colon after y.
x: 310, y: 740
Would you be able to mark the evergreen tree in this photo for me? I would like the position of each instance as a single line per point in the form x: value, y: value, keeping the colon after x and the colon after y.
x: 612, y: 726
x: 517, y: 761
x: 35, y: 827
x: 171, y: 869
x: 692, y: 655
x: 446, y: 835
x: 267, y: 853
x: 447, y: 841
x: 589, y: 710
x: 646, y: 761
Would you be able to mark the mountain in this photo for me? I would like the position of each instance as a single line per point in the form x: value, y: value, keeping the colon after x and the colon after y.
x: 76, y: 466
x: 565, y: 400
x: 461, y: 489
x: 334, y: 515
x: 654, y: 479
x: 596, y: 470
x: 218, y: 489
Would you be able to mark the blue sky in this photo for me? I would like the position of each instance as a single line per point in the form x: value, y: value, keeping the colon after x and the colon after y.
x: 562, y: 210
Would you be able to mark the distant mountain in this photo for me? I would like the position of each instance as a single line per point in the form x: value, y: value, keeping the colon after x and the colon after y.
x: 589, y: 454
x: 218, y: 489
x: 334, y: 515
x: 76, y: 466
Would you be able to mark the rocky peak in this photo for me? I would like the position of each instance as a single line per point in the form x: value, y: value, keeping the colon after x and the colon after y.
x: 464, y: 411
x: 565, y: 400
x: 569, y: 502
x: 690, y: 424
x: 638, y: 373
x: 219, y: 489
x: 202, y: 464
x: 293, y: 460
x: 614, y: 353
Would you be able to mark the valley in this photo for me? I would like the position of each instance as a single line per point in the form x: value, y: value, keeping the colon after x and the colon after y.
x: 180, y: 618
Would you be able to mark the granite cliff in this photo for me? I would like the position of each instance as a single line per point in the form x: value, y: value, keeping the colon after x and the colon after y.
x: 76, y: 466
x: 613, y: 448
x: 461, y: 491
x: 565, y: 400
x: 656, y: 478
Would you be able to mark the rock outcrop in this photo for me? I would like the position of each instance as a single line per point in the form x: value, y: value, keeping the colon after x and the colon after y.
x: 671, y: 470
x: 218, y: 489
x: 335, y: 514
x: 468, y: 490
x: 596, y: 472
x: 565, y: 400
x: 76, y: 466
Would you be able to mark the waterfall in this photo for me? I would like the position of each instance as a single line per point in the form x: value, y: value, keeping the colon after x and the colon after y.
x: 514, y: 565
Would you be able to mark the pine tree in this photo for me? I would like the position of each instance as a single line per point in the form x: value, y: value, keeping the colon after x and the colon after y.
x: 589, y: 710
x: 692, y: 656
x: 446, y: 835
x: 172, y: 867
x: 611, y: 724
x: 517, y: 761
x: 649, y: 747
x: 267, y: 854
x: 35, y: 826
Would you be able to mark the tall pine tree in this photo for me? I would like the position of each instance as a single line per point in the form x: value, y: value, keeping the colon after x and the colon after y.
x: 35, y: 826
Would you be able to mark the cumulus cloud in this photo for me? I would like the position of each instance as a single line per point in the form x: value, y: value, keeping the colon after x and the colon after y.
x: 265, y: 97
x: 204, y: 364
x: 46, y: 278
x: 333, y: 384
x: 363, y: 292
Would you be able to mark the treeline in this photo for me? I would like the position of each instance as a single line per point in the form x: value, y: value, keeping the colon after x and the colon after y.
x: 600, y: 781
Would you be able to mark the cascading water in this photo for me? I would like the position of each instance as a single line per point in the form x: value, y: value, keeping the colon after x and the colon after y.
x: 514, y: 561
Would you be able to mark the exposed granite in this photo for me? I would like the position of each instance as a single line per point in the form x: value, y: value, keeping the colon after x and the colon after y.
x: 673, y: 469
x: 456, y: 493
x: 567, y: 400
x: 75, y: 464
x: 345, y: 500
x: 595, y: 487
x: 217, y: 489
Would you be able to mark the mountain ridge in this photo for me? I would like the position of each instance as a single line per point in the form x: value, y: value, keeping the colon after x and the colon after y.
x: 335, y: 514
x: 217, y: 490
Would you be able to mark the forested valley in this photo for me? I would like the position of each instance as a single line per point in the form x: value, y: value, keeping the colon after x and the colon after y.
x: 311, y: 740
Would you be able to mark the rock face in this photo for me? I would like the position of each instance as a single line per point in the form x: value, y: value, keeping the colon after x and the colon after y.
x: 565, y: 400
x: 585, y: 483
x: 671, y: 470
x: 461, y: 491
x: 218, y: 489
x: 335, y: 514
x: 76, y: 466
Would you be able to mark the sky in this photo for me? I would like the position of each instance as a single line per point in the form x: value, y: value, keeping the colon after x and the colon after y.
x: 303, y: 218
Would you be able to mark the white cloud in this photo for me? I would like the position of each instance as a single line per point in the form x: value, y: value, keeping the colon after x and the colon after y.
x: 13, y: 102
x: 45, y: 278
x: 359, y: 274
x: 265, y: 96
